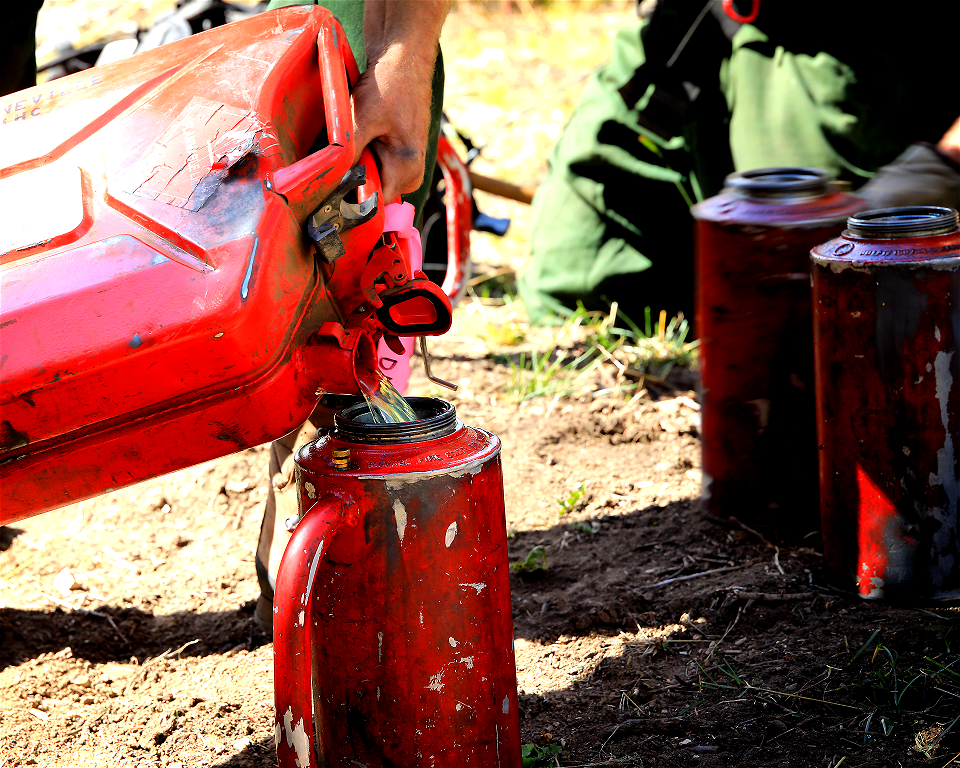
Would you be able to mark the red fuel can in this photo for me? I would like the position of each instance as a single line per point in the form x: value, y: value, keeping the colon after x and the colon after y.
x: 162, y: 302
x: 756, y: 360
x: 393, y: 630
x: 886, y: 334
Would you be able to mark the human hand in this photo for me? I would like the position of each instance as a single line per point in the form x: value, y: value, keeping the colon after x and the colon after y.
x: 391, y: 105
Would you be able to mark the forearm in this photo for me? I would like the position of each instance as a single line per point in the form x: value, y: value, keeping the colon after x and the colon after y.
x: 407, y: 29
x: 392, y: 100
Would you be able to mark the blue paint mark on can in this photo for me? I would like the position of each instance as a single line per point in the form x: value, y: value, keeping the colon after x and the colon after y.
x: 245, y: 288
x: 136, y: 341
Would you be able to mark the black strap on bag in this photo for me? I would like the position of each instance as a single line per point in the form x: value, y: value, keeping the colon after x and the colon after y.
x: 684, y: 44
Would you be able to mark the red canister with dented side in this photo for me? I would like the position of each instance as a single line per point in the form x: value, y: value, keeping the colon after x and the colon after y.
x: 753, y: 318
x: 162, y: 304
x: 393, y: 630
x: 886, y: 332
x: 160, y: 298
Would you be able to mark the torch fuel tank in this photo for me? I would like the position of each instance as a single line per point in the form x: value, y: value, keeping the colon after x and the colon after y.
x: 754, y: 322
x: 886, y: 329
x: 393, y: 627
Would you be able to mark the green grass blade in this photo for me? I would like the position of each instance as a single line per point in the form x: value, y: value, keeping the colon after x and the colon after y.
x: 941, y: 735
x: 866, y: 645
x: 729, y: 671
x: 692, y: 706
x: 944, y: 667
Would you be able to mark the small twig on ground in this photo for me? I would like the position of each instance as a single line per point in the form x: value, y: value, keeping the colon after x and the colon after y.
x: 118, y: 559
x: 612, y: 733
x: 805, y: 698
x: 772, y: 597
x: 71, y: 606
x: 483, y: 310
x: 689, y: 625
x: 475, y: 281
x: 635, y: 373
x: 753, y: 532
x: 691, y: 576
x: 714, y: 647
x: 652, y: 725
x: 149, y: 662
x: 612, y: 761
x: 116, y: 629
x: 620, y: 366
x: 652, y: 544
x: 776, y: 560
x: 19, y: 568
x: 951, y: 760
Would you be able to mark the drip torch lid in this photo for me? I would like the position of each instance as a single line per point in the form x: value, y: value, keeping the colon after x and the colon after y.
x: 435, y: 418
x: 780, y: 182
x: 907, y: 221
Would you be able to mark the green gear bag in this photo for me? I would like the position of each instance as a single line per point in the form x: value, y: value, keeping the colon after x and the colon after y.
x: 614, y: 194
x: 611, y: 220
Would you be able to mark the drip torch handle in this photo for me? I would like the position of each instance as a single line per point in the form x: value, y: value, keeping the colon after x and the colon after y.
x: 292, y: 658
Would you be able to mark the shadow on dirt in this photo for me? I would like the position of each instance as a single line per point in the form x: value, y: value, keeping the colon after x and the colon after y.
x: 604, y: 574
x: 7, y: 536
x: 658, y: 634
x: 260, y: 753
x: 116, y: 634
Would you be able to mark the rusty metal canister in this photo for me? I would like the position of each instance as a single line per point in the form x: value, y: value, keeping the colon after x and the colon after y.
x: 754, y: 322
x: 393, y: 629
x: 886, y: 332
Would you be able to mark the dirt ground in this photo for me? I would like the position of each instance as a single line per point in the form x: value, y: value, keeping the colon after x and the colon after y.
x: 128, y: 639
x: 653, y: 637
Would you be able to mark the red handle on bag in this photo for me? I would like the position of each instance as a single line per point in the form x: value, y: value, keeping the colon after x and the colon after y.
x: 749, y: 18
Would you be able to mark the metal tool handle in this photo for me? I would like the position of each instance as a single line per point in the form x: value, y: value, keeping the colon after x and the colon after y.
x: 426, y: 367
x: 307, y: 182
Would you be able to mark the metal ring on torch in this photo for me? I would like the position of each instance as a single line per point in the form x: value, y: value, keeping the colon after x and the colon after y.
x: 435, y: 418
x: 785, y: 182
x: 906, y: 221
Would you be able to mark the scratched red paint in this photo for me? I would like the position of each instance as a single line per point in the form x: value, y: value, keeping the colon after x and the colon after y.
x: 140, y: 337
x: 756, y: 352
x: 201, y: 140
x: 880, y: 513
x: 886, y: 315
x: 393, y: 630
